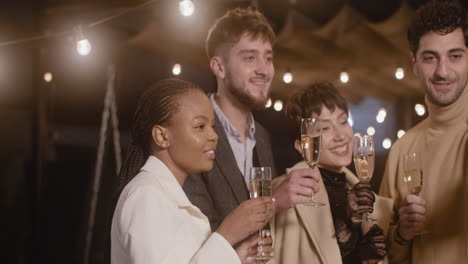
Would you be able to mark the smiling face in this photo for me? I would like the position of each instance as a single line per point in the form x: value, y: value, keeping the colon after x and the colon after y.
x: 337, y: 139
x: 248, y: 71
x: 192, y: 140
x: 441, y: 62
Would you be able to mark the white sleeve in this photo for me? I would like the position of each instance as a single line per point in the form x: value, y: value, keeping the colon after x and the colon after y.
x: 216, y: 249
x: 152, y: 233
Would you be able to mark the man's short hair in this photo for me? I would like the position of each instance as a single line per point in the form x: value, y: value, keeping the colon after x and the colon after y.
x: 305, y: 102
x: 228, y: 29
x: 437, y: 16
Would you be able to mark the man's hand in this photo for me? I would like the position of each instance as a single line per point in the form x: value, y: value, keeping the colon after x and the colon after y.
x: 466, y: 130
x: 412, y: 216
x: 297, y: 188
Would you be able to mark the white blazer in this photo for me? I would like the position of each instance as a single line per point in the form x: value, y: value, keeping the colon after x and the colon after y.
x: 154, y: 222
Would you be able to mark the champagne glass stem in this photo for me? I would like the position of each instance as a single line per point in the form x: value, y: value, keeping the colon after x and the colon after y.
x: 260, y: 252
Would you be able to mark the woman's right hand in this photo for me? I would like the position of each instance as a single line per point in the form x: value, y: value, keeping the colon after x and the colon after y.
x: 361, y: 200
x: 249, y: 248
x: 248, y: 217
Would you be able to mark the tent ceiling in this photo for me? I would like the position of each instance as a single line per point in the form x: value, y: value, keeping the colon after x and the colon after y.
x: 316, y: 39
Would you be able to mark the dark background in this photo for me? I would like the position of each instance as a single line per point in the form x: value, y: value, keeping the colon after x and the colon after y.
x: 50, y: 131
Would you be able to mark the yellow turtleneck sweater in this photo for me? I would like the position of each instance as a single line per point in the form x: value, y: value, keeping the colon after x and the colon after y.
x: 442, y: 140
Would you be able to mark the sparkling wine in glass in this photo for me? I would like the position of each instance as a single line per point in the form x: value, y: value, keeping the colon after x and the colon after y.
x: 260, y: 185
x: 413, y: 172
x: 413, y: 175
x: 311, y: 130
x: 364, y: 161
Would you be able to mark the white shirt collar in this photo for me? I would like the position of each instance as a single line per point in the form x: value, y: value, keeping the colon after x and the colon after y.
x: 227, y: 125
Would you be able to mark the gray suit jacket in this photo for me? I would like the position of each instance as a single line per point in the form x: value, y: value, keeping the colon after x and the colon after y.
x: 222, y: 189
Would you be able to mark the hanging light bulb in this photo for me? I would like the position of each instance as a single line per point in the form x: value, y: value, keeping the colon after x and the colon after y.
x: 288, y: 77
x: 420, y: 109
x: 278, y: 106
x: 268, y: 103
x: 186, y: 7
x: 344, y: 77
x: 399, y: 73
x: 83, y: 46
x: 400, y: 133
x: 386, y: 143
x: 350, y: 119
x: 371, y: 131
x: 48, y: 77
x: 177, y: 69
x: 381, y: 115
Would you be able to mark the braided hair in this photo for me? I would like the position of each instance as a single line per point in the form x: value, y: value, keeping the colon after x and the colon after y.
x: 155, y: 107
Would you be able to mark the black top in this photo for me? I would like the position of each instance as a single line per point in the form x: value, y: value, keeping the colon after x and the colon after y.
x: 347, y: 233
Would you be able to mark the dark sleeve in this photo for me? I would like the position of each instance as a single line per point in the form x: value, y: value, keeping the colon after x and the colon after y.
x: 197, y: 192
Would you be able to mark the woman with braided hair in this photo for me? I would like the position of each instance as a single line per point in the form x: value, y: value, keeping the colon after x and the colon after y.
x: 328, y: 234
x: 154, y: 222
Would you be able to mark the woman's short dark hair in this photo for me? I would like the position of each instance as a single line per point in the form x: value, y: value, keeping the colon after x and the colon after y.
x: 437, y: 16
x: 305, y: 102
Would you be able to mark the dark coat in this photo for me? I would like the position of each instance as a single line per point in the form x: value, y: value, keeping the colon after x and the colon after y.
x: 222, y: 189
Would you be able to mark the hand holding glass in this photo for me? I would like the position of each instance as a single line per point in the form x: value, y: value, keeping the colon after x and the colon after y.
x: 413, y: 175
x: 260, y: 185
x: 364, y: 160
x: 413, y: 172
x: 311, y: 130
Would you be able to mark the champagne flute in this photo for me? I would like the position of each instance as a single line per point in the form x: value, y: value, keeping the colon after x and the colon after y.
x: 311, y: 130
x: 413, y: 175
x: 364, y: 160
x: 260, y: 185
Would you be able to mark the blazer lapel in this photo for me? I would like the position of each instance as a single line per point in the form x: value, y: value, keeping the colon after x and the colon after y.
x: 260, y: 145
x: 227, y: 164
x: 318, y: 224
x: 263, y: 150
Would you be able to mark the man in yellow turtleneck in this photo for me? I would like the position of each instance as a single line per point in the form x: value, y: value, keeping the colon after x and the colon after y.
x: 437, y: 38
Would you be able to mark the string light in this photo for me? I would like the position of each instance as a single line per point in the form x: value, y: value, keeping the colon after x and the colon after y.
x: 420, y: 109
x: 371, y: 131
x: 268, y: 103
x: 380, y: 118
x: 65, y: 33
x: 350, y: 119
x: 387, y: 143
x: 278, y: 106
x: 400, y: 133
x: 48, y: 77
x: 344, y: 77
x: 83, y: 46
x: 399, y: 73
x: 177, y: 69
x: 288, y: 77
x: 186, y: 7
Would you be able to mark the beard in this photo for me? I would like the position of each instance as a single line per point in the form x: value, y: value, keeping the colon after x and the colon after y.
x: 440, y: 101
x: 245, y: 98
